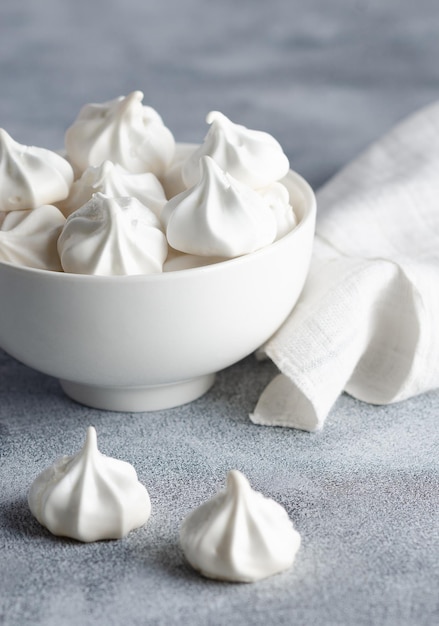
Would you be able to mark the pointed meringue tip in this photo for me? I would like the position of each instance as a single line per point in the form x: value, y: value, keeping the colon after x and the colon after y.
x: 216, y: 116
x: 237, y: 480
x: 4, y: 135
x: 209, y: 168
x: 125, y: 104
x: 134, y: 96
x: 91, y: 439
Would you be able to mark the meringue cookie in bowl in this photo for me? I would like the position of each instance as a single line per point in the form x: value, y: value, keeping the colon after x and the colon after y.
x: 252, y: 156
x: 113, y: 180
x: 30, y: 237
x: 278, y: 199
x: 239, y: 535
x: 172, y: 179
x: 112, y: 237
x: 122, y: 130
x: 89, y: 496
x: 219, y: 216
x: 31, y: 176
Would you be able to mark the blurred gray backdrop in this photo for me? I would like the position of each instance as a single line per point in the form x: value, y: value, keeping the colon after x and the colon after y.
x: 324, y: 76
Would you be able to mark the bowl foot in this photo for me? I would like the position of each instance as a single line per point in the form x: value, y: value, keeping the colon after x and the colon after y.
x: 137, y: 399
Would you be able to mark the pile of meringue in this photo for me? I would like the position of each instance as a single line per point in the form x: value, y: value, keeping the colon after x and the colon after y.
x: 124, y: 198
x: 238, y: 536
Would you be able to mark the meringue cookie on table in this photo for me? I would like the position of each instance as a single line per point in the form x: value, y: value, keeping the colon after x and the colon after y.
x: 219, y: 216
x: 239, y: 535
x: 31, y: 176
x: 89, y: 496
x: 122, y: 130
x: 113, y: 180
x: 278, y: 199
x: 252, y: 156
x: 112, y: 237
x: 30, y: 237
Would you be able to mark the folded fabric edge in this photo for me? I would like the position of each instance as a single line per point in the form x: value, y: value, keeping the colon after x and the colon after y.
x: 282, y: 403
x: 303, y: 394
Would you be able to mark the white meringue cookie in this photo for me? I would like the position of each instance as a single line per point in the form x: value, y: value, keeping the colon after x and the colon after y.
x: 31, y: 176
x: 123, y: 131
x: 113, y: 180
x: 89, y: 496
x: 219, y: 216
x: 239, y: 535
x: 252, y: 156
x: 30, y: 237
x: 278, y: 199
x: 112, y: 236
x: 172, y: 179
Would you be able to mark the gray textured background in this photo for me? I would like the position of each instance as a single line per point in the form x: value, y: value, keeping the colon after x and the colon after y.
x: 326, y: 78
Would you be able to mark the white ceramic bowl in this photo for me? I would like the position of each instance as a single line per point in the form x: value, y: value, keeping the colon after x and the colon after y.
x: 140, y: 343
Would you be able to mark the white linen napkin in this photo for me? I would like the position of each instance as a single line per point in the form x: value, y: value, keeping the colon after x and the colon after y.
x: 367, y: 321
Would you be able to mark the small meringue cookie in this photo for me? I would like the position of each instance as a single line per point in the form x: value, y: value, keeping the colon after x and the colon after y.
x: 89, y: 496
x: 172, y: 179
x: 112, y: 237
x: 113, y: 180
x: 239, y: 535
x: 31, y: 176
x: 30, y: 237
x: 123, y: 131
x: 253, y: 157
x: 278, y: 199
x: 219, y: 216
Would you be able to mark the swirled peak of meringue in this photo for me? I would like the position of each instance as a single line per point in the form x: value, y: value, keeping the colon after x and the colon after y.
x: 89, y: 496
x: 113, y: 180
x: 122, y: 130
x: 219, y: 216
x: 252, y: 156
x: 31, y: 176
x: 112, y: 236
x: 29, y: 237
x: 239, y: 535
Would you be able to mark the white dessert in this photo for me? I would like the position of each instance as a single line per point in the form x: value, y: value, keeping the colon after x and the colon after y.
x: 219, y: 216
x: 172, y: 179
x: 278, y: 199
x: 113, y: 180
x: 31, y: 176
x: 123, y: 131
x: 138, y: 195
x: 112, y: 236
x: 239, y: 535
x: 89, y: 496
x: 30, y: 237
x: 252, y: 156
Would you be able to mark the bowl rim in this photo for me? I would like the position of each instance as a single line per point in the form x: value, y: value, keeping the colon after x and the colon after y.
x: 309, y: 214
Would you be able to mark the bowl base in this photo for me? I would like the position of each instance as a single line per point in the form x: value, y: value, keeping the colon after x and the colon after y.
x: 138, y: 399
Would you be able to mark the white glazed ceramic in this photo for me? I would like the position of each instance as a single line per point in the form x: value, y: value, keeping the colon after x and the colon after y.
x: 140, y: 343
